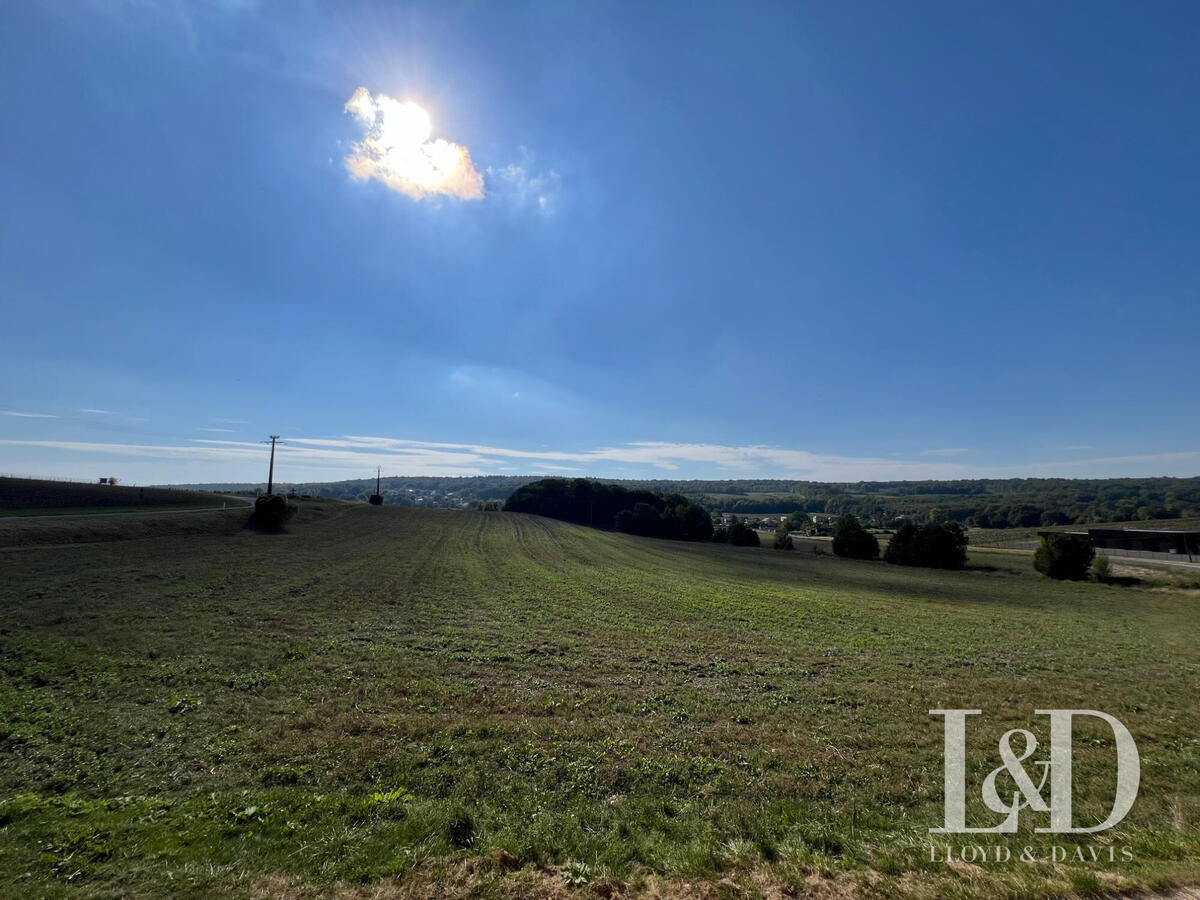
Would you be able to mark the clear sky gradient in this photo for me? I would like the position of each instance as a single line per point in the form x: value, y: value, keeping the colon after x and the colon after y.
x: 806, y: 240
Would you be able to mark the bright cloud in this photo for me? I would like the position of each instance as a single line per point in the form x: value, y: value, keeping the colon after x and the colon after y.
x: 396, y: 149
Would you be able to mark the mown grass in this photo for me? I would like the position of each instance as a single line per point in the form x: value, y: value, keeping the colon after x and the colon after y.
x: 983, y: 537
x: 207, y: 503
x: 456, y: 702
x: 29, y: 497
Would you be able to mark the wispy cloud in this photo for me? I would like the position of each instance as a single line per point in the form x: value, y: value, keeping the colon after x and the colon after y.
x: 26, y: 415
x: 660, y: 455
x: 945, y: 451
x: 348, y: 456
x: 97, y: 412
x: 397, y: 150
x: 524, y: 186
x: 220, y: 430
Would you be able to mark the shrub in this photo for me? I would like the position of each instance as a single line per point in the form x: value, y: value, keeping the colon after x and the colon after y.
x: 851, y: 540
x: 938, y: 545
x: 742, y: 535
x: 720, y: 535
x: 1101, y: 568
x: 1065, y: 557
x: 783, y: 540
x: 271, y: 513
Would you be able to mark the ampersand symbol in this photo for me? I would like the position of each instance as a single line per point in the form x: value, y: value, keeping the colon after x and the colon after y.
x: 1012, y: 765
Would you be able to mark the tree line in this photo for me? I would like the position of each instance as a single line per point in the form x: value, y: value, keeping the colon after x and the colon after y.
x: 1009, y: 503
x: 605, y: 505
x: 980, y: 503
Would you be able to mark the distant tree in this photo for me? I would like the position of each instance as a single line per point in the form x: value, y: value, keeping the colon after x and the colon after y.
x: 1025, y: 515
x: 783, y: 539
x: 938, y: 545
x: 853, y: 541
x: 742, y: 535
x: 1055, y: 517
x: 683, y: 520
x: 1065, y: 557
x: 645, y: 518
x: 798, y: 521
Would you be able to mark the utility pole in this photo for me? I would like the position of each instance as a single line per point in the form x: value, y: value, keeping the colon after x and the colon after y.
x: 376, y: 498
x: 271, y: 471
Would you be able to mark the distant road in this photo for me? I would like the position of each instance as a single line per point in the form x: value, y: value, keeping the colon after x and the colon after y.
x: 240, y: 502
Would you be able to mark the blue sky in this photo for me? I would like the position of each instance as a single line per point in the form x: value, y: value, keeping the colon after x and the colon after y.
x: 821, y: 240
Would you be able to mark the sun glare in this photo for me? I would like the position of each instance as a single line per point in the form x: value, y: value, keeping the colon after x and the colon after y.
x: 402, y: 124
x: 397, y: 150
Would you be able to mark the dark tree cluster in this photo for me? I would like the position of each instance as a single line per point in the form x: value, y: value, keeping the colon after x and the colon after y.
x: 938, y: 545
x: 742, y: 535
x: 1064, y: 557
x: 737, y: 533
x: 851, y: 540
x: 603, y: 505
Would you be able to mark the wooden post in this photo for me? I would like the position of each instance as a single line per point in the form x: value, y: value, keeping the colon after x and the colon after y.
x: 271, y: 470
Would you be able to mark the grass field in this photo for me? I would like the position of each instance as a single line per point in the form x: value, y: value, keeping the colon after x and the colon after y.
x: 405, y: 702
x: 35, y: 497
x: 992, y: 536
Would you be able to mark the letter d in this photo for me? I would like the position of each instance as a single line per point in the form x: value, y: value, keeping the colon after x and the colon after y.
x: 1129, y: 771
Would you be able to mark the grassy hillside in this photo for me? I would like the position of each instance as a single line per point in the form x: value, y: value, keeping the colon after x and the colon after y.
x: 391, y: 701
x: 34, y: 497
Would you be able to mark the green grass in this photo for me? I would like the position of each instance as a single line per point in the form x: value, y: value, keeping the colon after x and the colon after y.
x: 206, y: 503
x: 984, y: 537
x: 460, y: 702
x: 31, y: 496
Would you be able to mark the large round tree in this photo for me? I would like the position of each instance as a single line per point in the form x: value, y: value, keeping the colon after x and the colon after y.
x: 851, y: 540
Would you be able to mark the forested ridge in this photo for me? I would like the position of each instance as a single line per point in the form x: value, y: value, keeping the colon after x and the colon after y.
x: 982, y: 503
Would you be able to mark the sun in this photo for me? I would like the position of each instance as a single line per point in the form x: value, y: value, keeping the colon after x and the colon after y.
x: 402, y: 124
x: 397, y: 150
